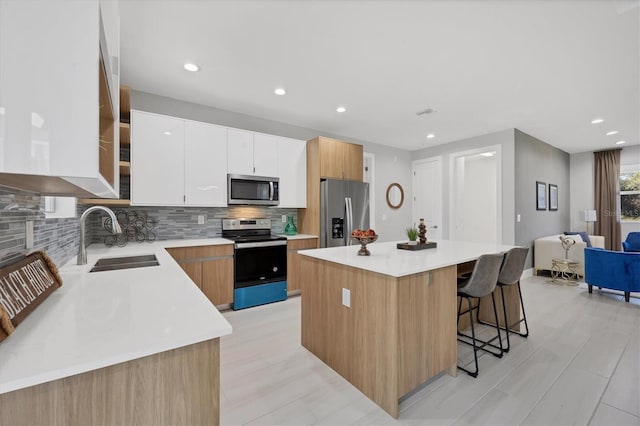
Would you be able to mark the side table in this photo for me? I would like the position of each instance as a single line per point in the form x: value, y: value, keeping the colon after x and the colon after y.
x: 565, y: 270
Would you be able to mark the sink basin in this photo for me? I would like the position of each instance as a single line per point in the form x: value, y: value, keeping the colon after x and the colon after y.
x: 128, y: 262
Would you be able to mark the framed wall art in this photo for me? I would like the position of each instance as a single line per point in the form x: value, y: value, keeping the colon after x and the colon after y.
x: 541, y: 195
x: 553, y: 197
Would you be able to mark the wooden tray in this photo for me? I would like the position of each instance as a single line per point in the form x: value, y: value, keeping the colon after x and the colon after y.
x: 427, y: 245
x: 23, y: 286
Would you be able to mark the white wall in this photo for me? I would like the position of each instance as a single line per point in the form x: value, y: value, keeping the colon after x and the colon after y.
x: 391, y: 166
x: 580, y: 188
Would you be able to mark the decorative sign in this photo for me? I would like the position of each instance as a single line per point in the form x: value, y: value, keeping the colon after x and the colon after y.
x: 23, y: 286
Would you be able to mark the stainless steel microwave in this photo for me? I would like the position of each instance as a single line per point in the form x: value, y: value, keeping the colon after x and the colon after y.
x: 253, y: 190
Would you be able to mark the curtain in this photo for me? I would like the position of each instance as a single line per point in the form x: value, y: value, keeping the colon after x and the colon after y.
x: 606, y: 185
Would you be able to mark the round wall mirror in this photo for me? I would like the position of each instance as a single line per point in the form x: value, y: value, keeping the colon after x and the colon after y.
x: 395, y: 196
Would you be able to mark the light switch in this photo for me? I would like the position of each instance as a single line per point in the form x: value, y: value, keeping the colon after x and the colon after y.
x: 518, y: 218
x: 284, y: 218
x: 200, y: 219
x: 346, y: 297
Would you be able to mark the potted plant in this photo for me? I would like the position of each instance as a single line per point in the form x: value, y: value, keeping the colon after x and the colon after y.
x: 412, y: 234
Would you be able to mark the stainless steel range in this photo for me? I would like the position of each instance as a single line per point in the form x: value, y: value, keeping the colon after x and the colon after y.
x: 260, y: 262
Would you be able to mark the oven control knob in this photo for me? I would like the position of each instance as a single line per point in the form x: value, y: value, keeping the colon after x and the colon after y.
x: 275, y: 269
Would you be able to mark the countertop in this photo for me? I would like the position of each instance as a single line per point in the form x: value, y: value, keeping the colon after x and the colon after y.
x: 103, y: 318
x: 388, y: 260
x: 298, y: 236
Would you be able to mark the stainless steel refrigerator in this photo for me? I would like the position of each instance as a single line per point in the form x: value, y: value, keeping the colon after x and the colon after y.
x: 344, y: 206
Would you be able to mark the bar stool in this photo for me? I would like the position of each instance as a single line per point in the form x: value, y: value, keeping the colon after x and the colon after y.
x: 481, y: 283
x: 510, y: 274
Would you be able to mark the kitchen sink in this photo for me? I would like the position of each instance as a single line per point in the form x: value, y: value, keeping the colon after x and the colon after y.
x: 128, y: 262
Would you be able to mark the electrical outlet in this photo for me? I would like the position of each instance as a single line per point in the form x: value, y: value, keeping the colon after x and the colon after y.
x: 200, y: 219
x: 346, y: 297
x: 284, y: 218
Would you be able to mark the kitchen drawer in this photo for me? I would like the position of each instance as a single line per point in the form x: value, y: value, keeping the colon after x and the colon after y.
x: 202, y: 252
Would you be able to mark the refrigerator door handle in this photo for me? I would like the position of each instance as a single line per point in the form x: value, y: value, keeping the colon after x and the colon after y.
x: 349, y: 217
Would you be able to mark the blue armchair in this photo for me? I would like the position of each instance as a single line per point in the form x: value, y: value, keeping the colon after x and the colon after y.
x: 616, y: 270
x: 632, y: 243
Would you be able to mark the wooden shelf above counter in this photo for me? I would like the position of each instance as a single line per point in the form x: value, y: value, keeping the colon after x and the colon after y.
x: 125, y: 168
x: 104, y: 202
x: 125, y: 134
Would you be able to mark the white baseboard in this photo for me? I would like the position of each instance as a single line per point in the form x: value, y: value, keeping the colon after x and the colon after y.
x: 527, y: 273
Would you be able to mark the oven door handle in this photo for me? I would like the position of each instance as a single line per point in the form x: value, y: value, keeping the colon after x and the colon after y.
x: 261, y: 244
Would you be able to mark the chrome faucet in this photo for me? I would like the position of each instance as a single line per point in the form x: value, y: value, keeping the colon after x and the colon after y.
x: 115, y: 229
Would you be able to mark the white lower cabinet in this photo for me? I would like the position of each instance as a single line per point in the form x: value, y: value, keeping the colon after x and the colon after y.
x: 205, y: 173
x: 292, y: 171
x: 157, y: 160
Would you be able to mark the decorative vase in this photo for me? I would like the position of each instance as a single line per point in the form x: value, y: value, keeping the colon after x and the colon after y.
x: 422, y: 231
x: 290, y: 227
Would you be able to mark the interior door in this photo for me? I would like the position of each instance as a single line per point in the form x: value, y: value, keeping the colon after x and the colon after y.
x: 427, y: 195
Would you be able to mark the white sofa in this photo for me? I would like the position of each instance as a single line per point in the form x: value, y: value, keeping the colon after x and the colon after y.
x: 547, y: 248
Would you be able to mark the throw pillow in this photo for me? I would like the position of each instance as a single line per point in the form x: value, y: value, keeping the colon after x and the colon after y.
x: 583, y: 235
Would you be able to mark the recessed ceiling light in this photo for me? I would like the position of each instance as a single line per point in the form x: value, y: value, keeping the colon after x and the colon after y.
x: 612, y: 132
x: 191, y: 67
x: 597, y: 120
x: 620, y: 142
x: 488, y: 154
x: 341, y: 109
x: 168, y: 133
x: 280, y: 91
x: 431, y: 136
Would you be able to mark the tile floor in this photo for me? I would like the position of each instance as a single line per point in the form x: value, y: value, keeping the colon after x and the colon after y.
x: 580, y: 365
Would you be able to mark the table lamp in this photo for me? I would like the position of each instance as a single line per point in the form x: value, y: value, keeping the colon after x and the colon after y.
x: 589, y: 216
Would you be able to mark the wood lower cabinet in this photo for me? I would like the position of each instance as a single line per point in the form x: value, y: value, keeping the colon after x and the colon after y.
x: 217, y: 280
x: 210, y: 268
x: 176, y: 387
x: 293, y: 260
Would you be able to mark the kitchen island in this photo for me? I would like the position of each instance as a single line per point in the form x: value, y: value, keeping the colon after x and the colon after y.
x: 131, y: 346
x: 385, y: 322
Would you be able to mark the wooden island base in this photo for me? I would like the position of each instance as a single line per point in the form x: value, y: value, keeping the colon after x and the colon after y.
x: 176, y: 387
x: 398, y: 333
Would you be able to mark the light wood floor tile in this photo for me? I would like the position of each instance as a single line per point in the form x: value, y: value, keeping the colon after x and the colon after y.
x: 570, y: 400
x: 609, y: 416
x: 623, y: 391
x: 580, y: 363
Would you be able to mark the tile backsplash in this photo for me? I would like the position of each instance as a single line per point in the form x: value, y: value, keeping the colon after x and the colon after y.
x: 59, y: 237
x: 182, y: 222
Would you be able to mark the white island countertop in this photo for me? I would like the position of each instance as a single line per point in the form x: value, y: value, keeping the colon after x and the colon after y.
x: 388, y: 260
x: 100, y: 319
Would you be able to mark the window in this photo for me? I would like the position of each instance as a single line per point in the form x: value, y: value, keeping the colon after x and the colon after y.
x: 630, y: 193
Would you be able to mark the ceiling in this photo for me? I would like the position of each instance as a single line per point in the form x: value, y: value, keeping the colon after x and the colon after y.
x: 545, y: 67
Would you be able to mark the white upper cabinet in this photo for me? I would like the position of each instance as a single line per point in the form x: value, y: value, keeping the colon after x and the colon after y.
x: 292, y: 171
x: 265, y: 155
x: 58, y: 96
x: 240, y: 152
x: 177, y: 162
x: 205, y: 154
x: 252, y: 153
x: 157, y: 159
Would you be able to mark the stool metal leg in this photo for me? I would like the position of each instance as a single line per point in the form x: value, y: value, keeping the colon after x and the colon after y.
x: 473, y: 338
x: 524, y: 315
x: 506, y: 321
